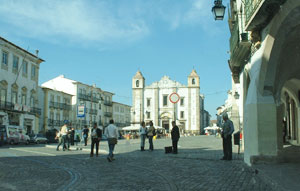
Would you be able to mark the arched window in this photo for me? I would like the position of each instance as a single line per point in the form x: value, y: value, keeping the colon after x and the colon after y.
x: 137, y: 83
x: 193, y: 81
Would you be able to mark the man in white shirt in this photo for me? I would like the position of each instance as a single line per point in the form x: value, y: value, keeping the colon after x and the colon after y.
x: 112, y: 134
x: 64, y: 133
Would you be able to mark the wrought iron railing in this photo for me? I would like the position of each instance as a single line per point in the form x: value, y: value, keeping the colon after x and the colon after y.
x: 5, y: 105
x: 108, y: 103
x: 35, y: 110
x: 93, y: 111
x: 107, y: 114
x: 50, y: 122
x: 65, y: 106
x: 234, y: 39
x: 250, y: 8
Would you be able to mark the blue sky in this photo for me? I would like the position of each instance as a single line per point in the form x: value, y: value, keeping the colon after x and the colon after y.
x: 106, y: 42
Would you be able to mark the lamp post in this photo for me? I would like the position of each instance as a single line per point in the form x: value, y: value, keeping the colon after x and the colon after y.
x: 218, y: 10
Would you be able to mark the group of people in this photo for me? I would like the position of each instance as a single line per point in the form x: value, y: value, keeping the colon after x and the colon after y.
x: 67, y: 136
x: 227, y: 129
x: 150, y: 132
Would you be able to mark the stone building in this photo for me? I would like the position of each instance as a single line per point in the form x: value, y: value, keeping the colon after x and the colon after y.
x: 152, y: 103
x: 96, y: 102
x: 264, y: 60
x: 56, y: 107
x: 19, y: 75
x: 121, y: 113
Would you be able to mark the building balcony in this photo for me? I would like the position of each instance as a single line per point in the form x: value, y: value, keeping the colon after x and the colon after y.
x: 258, y: 13
x: 4, y: 105
x: 51, y: 104
x: 50, y: 122
x: 54, y: 105
x: 84, y: 97
x: 107, y: 103
x: 35, y: 111
x: 95, y: 99
x: 65, y: 106
x: 93, y: 111
x: 240, y: 48
x: 107, y: 114
x: 83, y: 122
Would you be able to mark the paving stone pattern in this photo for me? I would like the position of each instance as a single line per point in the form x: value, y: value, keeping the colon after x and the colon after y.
x: 195, y: 167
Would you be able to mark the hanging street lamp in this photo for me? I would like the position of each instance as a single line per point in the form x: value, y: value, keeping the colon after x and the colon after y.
x: 218, y: 10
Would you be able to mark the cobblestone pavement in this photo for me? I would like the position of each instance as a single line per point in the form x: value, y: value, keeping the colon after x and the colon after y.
x: 195, y: 167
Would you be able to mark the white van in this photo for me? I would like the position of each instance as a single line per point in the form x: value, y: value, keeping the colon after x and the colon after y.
x: 16, y: 135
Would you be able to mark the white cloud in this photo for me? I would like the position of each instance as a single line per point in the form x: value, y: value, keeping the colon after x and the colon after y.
x: 74, y: 20
x: 99, y: 22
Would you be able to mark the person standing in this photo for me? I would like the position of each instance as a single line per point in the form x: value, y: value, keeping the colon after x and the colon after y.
x: 143, y: 134
x: 77, y: 140
x: 227, y: 130
x: 85, y: 134
x: 59, y: 138
x: 96, y: 135
x: 64, y: 134
x: 175, y: 136
x: 72, y: 136
x: 150, y: 134
x: 112, y: 135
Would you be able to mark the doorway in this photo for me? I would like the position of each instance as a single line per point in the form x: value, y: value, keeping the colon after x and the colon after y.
x: 166, y: 125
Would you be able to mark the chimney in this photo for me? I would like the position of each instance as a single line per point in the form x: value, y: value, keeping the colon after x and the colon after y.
x: 37, y: 53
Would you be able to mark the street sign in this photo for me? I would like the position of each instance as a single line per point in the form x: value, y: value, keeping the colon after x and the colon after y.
x: 174, y: 97
x: 81, y: 111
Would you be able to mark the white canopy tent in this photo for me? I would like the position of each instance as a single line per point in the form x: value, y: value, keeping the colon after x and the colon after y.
x: 131, y: 128
x: 136, y: 128
x: 212, y: 128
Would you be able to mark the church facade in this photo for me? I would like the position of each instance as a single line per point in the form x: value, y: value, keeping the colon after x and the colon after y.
x: 152, y: 103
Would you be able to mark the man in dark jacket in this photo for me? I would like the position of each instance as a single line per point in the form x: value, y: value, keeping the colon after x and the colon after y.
x: 175, y: 136
x: 96, y: 135
x: 85, y: 134
x: 227, y: 130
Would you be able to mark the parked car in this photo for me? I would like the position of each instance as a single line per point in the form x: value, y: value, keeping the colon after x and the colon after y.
x: 38, y: 138
x: 14, y: 134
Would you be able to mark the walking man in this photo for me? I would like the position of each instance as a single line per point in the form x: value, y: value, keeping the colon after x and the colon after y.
x: 112, y: 135
x: 175, y: 136
x: 96, y: 136
x: 227, y: 130
x: 143, y: 134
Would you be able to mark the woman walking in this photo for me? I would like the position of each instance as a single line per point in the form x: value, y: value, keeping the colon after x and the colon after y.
x: 150, y: 134
x: 143, y: 134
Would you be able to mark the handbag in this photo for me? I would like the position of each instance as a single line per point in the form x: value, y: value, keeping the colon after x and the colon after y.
x: 112, y: 141
x: 154, y: 132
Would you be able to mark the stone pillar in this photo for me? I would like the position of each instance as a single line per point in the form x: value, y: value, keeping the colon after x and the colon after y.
x: 261, y: 131
x: 298, y: 125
